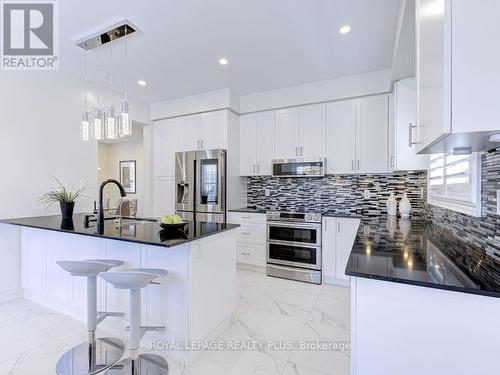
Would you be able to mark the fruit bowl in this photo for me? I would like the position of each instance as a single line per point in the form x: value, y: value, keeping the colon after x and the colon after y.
x: 179, y: 226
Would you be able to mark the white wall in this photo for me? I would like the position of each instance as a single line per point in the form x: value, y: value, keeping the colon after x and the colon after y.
x: 109, y: 157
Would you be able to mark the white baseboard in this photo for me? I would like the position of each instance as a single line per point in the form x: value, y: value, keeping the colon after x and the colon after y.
x: 11, y: 295
x: 333, y: 281
x: 250, y: 267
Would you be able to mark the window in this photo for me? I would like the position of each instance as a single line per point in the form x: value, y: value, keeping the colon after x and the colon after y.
x: 455, y: 182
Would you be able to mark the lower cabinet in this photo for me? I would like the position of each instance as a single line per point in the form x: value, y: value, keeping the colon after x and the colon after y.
x: 338, y: 238
x: 251, y: 238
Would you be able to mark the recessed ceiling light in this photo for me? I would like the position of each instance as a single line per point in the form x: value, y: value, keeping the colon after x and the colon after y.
x: 141, y: 82
x: 345, y: 29
x: 223, y: 61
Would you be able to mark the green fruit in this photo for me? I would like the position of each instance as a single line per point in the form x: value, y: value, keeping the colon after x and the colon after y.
x: 165, y: 219
x: 176, y: 219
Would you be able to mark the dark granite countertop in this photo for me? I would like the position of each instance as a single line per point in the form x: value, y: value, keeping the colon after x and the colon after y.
x: 354, y: 213
x: 419, y: 252
x: 143, y: 231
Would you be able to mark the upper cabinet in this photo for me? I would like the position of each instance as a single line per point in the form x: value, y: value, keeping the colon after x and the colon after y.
x: 341, y: 137
x: 256, y: 143
x: 301, y: 132
x: 358, y: 135
x: 405, y: 118
x: 165, y: 145
x: 372, y: 134
x: 457, y: 74
x: 204, y: 131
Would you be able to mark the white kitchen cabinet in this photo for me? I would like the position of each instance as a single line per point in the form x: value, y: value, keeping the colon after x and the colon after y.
x: 256, y: 144
x: 190, y: 133
x: 165, y: 145
x: 345, y: 237
x: 204, y: 131
x: 214, y: 130
x: 341, y: 137
x: 251, y: 238
x: 312, y: 139
x: 372, y: 134
x: 287, y: 133
x: 164, y: 196
x: 338, y: 236
x: 405, y: 117
x: 301, y: 132
x: 457, y: 74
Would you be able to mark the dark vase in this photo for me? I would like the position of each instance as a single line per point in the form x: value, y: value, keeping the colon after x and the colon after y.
x: 67, y: 209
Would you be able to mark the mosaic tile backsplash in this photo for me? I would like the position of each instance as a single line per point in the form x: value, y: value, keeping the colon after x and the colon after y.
x: 481, y: 231
x: 339, y: 192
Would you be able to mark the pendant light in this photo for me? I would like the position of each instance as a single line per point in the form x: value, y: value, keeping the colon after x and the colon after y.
x: 98, y: 112
x: 111, y: 125
x: 85, y: 127
x: 125, y: 123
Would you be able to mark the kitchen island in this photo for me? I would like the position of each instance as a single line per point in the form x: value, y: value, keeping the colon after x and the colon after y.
x: 195, y: 300
x: 423, y: 301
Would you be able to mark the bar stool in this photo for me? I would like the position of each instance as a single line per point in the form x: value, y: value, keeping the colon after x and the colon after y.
x: 135, y: 279
x: 95, y: 355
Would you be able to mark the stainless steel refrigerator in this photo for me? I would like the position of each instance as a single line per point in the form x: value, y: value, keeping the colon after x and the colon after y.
x: 200, y: 185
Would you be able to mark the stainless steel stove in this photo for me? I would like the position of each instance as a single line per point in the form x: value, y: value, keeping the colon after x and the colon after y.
x: 294, y: 245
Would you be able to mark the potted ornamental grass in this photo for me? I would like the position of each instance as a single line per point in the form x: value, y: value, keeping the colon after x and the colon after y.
x: 62, y: 196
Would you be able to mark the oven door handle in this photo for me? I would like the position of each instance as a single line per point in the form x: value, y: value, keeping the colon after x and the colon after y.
x: 295, y: 225
x: 294, y: 244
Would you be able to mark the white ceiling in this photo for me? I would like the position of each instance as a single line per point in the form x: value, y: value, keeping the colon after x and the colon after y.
x: 269, y: 43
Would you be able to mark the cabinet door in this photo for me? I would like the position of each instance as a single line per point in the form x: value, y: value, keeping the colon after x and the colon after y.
x: 265, y: 138
x: 248, y: 141
x: 165, y: 145
x: 346, y: 234
x: 476, y: 60
x: 372, y: 134
x: 190, y: 133
x: 313, y: 131
x: 164, y: 196
x: 341, y: 137
x: 431, y: 67
x: 405, y: 119
x: 287, y: 133
x: 328, y: 248
x: 214, y: 130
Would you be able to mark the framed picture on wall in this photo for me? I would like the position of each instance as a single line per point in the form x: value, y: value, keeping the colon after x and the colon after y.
x: 128, y: 176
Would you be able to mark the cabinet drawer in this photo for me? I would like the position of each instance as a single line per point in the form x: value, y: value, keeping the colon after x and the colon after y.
x: 255, y: 233
x: 246, y: 217
x: 251, y: 254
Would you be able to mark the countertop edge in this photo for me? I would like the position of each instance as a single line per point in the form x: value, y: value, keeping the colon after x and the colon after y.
x: 131, y: 240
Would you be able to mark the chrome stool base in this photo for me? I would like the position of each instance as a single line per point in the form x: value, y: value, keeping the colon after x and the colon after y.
x: 147, y: 364
x: 86, y: 359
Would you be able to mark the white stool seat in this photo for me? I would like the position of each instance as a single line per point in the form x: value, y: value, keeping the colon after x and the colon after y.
x: 112, y: 262
x: 128, y: 280
x: 83, y: 267
x: 155, y: 271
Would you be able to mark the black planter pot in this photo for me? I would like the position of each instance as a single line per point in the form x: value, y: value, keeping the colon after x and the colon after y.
x: 67, y: 210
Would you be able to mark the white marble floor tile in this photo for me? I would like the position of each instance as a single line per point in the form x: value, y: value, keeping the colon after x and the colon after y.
x: 333, y: 362
x: 248, y: 293
x: 295, y: 369
x: 53, y: 324
x: 297, y: 285
x: 331, y: 311
x: 22, y: 309
x: 40, y: 360
x: 334, y: 291
x: 6, y: 320
x: 18, y: 338
x: 288, y: 302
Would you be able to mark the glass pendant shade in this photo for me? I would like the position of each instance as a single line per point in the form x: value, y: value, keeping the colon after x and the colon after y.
x: 85, y: 128
x: 111, y: 124
x: 125, y: 123
x: 99, y: 119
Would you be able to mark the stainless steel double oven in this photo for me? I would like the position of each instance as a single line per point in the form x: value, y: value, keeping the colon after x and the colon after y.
x: 294, y: 246
x: 200, y: 185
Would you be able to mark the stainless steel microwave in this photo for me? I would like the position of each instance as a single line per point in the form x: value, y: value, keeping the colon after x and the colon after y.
x: 299, y: 167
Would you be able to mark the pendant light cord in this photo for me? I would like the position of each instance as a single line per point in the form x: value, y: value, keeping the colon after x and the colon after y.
x: 111, y: 75
x: 126, y: 65
x: 98, y: 73
x: 85, y: 79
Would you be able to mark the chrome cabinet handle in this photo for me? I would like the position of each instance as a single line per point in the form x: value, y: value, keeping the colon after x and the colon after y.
x: 352, y: 164
x: 410, y: 135
x: 246, y: 217
x: 358, y: 165
x: 246, y: 233
x: 296, y: 151
x: 253, y: 168
x: 201, y: 142
x: 247, y: 254
x: 301, y: 151
x: 393, y: 161
x: 258, y: 168
x: 338, y: 226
